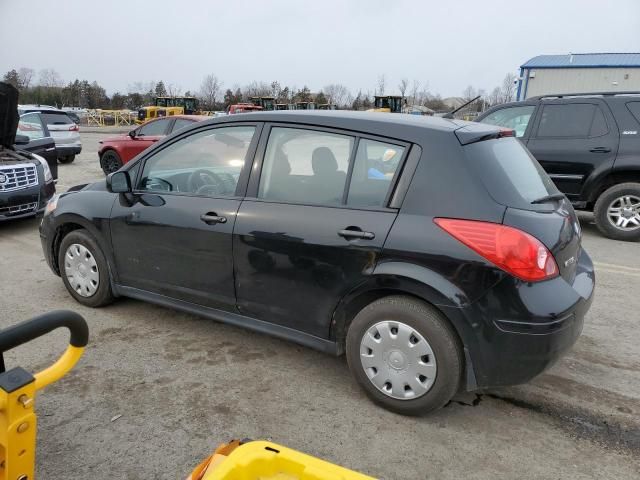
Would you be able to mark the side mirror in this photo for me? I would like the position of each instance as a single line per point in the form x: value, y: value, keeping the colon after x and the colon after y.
x: 119, y: 182
x: 21, y: 140
x: 132, y: 134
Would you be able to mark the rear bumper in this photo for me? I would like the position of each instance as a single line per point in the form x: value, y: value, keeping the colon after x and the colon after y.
x: 520, y: 330
x: 69, y: 149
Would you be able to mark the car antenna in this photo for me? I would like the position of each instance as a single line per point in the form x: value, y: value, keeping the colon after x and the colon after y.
x: 452, y: 112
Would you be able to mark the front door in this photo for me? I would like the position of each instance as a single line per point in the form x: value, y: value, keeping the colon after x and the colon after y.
x: 572, y: 140
x: 305, y: 240
x: 173, y: 235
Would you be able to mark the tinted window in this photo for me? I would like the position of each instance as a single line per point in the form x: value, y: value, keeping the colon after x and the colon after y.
x: 516, y: 118
x: 181, y: 123
x: 569, y: 120
x: 634, y: 108
x: 206, y: 163
x: 56, y: 118
x: 373, y: 170
x: 599, y: 124
x: 31, y: 126
x: 509, y: 172
x: 156, y: 128
x: 305, y: 166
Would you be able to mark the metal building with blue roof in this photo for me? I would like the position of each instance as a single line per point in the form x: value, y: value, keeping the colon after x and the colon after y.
x: 579, y: 72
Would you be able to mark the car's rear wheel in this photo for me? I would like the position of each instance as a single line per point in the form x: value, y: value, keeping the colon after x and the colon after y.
x: 110, y: 162
x: 84, y: 269
x: 617, y: 212
x: 67, y: 159
x: 405, y: 355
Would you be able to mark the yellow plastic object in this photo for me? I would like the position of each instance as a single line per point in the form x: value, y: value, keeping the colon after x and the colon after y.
x: 59, y: 369
x: 268, y: 461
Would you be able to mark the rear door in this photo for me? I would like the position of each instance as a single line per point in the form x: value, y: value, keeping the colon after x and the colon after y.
x: 574, y: 139
x: 40, y: 141
x: 313, y: 223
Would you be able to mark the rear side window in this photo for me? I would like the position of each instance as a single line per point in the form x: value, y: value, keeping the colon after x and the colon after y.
x: 512, y: 176
x: 568, y: 120
x: 516, y: 118
x: 31, y: 126
x: 375, y: 166
x: 56, y: 118
x: 305, y: 166
x: 634, y: 108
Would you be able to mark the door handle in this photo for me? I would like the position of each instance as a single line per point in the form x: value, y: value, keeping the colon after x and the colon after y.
x: 600, y: 150
x: 353, y: 234
x: 212, y: 218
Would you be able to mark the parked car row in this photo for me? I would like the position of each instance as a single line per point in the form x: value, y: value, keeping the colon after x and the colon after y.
x: 589, y: 144
x: 437, y: 254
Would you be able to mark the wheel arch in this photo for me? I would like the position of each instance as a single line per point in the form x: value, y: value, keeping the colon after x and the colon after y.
x: 68, y: 223
x: 612, y: 178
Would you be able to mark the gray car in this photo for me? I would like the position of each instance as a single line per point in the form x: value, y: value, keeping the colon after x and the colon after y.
x: 65, y: 132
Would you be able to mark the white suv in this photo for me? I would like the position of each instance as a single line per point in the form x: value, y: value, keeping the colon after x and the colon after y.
x: 65, y: 132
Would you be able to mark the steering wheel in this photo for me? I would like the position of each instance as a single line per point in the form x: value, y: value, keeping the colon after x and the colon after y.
x: 201, y: 181
x: 156, y: 183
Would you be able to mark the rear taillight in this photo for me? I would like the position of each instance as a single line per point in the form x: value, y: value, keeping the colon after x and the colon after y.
x: 74, y: 128
x: 510, y: 249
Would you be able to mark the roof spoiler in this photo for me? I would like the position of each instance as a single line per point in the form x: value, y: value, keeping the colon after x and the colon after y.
x: 478, y: 132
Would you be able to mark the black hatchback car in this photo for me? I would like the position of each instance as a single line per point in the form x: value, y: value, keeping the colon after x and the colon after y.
x: 437, y: 254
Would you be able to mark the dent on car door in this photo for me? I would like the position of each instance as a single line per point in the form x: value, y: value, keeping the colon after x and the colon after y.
x: 173, y: 235
x: 304, y: 239
x: 574, y: 141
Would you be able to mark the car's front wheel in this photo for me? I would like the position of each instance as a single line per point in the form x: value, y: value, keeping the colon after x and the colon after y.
x: 405, y: 355
x: 84, y: 269
x: 110, y: 162
x: 617, y: 212
x: 67, y: 159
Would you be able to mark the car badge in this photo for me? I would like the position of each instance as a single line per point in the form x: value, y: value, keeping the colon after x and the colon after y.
x: 3, y: 179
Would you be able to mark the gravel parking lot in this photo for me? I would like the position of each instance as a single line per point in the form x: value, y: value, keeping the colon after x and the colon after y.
x: 183, y: 384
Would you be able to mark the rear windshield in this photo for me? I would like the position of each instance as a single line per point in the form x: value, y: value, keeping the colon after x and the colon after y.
x: 509, y: 172
x: 56, y: 118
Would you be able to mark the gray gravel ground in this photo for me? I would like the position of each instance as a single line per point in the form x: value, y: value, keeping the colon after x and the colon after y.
x: 183, y: 384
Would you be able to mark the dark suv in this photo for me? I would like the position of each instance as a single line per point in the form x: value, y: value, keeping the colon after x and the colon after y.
x: 589, y: 144
x: 436, y: 253
x: 26, y: 181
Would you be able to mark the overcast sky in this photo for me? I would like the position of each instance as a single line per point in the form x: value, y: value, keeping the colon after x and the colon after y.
x: 447, y: 45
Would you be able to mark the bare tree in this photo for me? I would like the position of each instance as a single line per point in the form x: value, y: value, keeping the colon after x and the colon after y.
x: 414, y: 91
x: 381, y: 85
x: 403, y: 86
x: 209, y: 90
x: 508, y: 87
x: 25, y: 76
x: 337, y: 94
x: 174, y: 90
x: 469, y: 93
x: 255, y: 89
x: 48, y: 77
x: 495, y: 96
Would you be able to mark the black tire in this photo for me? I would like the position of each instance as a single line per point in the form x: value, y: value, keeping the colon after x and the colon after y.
x: 103, y: 294
x: 67, y: 159
x: 435, y: 329
x: 605, y: 200
x: 110, y: 162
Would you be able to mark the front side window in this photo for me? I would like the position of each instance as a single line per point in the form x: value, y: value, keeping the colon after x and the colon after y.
x: 181, y: 123
x: 375, y: 165
x: 206, y: 163
x: 305, y: 166
x: 567, y: 120
x: 515, y: 118
x: 31, y: 125
x: 153, y: 129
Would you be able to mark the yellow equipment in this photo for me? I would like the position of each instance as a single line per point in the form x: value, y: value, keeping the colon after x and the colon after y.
x: 189, y: 104
x: 18, y: 389
x: 305, y: 106
x: 387, y: 104
x: 267, y: 103
x: 267, y: 461
x: 326, y: 106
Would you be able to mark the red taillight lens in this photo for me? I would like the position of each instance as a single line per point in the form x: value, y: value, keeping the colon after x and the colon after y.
x: 510, y: 249
x: 74, y: 128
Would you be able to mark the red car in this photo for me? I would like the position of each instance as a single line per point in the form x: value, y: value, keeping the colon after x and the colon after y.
x: 116, y: 151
